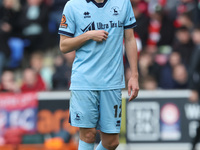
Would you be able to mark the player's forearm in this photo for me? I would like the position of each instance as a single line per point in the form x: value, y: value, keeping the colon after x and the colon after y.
x: 131, y: 51
x: 70, y: 44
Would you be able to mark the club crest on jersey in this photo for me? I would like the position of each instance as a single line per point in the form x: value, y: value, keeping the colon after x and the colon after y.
x: 63, y: 23
x: 115, y: 11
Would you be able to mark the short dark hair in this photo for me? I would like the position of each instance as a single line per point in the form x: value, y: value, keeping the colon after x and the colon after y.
x: 182, y: 28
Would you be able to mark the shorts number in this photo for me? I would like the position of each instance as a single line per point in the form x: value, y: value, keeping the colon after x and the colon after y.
x: 116, y: 107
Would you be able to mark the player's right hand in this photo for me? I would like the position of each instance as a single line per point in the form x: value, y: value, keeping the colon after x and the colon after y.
x: 98, y: 35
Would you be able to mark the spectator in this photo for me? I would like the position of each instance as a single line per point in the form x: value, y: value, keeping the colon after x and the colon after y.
x: 23, y: 2
x: 36, y: 61
x: 145, y: 61
x: 195, y: 77
x: 194, y: 71
x: 147, y: 66
x: 178, y: 7
x: 44, y: 73
x: 171, y: 7
x: 8, y: 83
x: 166, y: 80
x: 197, y: 12
x: 32, y: 82
x: 60, y: 80
x: 142, y: 21
x: 56, y: 7
x: 61, y: 77
x: 9, y: 12
x: 183, y: 44
x: 187, y: 6
x: 149, y: 83
x: 34, y: 24
x: 161, y: 29
x: 180, y: 77
x: 56, y: 10
x: 152, y: 49
x: 184, y: 20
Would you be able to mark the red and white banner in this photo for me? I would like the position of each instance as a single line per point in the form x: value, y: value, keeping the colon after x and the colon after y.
x: 18, y: 115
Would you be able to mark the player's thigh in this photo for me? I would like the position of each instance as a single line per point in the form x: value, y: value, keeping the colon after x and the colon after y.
x: 84, y: 109
x: 110, y: 141
x: 110, y: 111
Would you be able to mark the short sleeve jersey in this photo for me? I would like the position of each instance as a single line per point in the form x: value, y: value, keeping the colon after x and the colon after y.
x: 98, y: 65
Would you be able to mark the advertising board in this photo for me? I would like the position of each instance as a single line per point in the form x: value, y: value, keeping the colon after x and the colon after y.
x: 161, y: 117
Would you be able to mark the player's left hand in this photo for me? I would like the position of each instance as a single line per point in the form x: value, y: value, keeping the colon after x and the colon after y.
x: 133, y: 88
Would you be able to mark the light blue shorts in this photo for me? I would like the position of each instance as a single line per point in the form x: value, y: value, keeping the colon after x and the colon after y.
x: 96, y: 109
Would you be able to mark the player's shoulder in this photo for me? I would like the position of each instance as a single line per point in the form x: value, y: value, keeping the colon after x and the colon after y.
x: 125, y: 1
x: 73, y: 3
x: 120, y: 2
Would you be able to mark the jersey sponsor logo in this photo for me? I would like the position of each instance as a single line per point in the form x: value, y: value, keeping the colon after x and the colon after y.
x: 118, y: 123
x: 87, y: 14
x: 63, y: 23
x: 89, y: 27
x: 115, y: 11
x: 111, y: 24
x: 101, y: 26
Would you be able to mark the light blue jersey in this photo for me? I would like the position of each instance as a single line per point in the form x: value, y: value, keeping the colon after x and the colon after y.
x: 98, y: 65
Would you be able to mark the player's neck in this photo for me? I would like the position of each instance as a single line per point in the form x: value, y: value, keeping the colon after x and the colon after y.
x: 99, y: 1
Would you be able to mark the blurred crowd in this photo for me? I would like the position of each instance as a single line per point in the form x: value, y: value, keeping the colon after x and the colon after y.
x: 167, y: 34
x: 29, y: 54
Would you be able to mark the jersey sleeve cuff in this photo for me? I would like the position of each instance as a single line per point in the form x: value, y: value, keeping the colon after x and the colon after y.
x: 65, y: 33
x: 130, y: 26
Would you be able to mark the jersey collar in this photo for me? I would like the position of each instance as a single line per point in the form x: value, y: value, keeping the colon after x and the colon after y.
x: 99, y: 5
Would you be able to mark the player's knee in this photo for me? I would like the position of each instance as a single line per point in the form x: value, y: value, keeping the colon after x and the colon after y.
x: 112, y: 145
x: 89, y: 136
